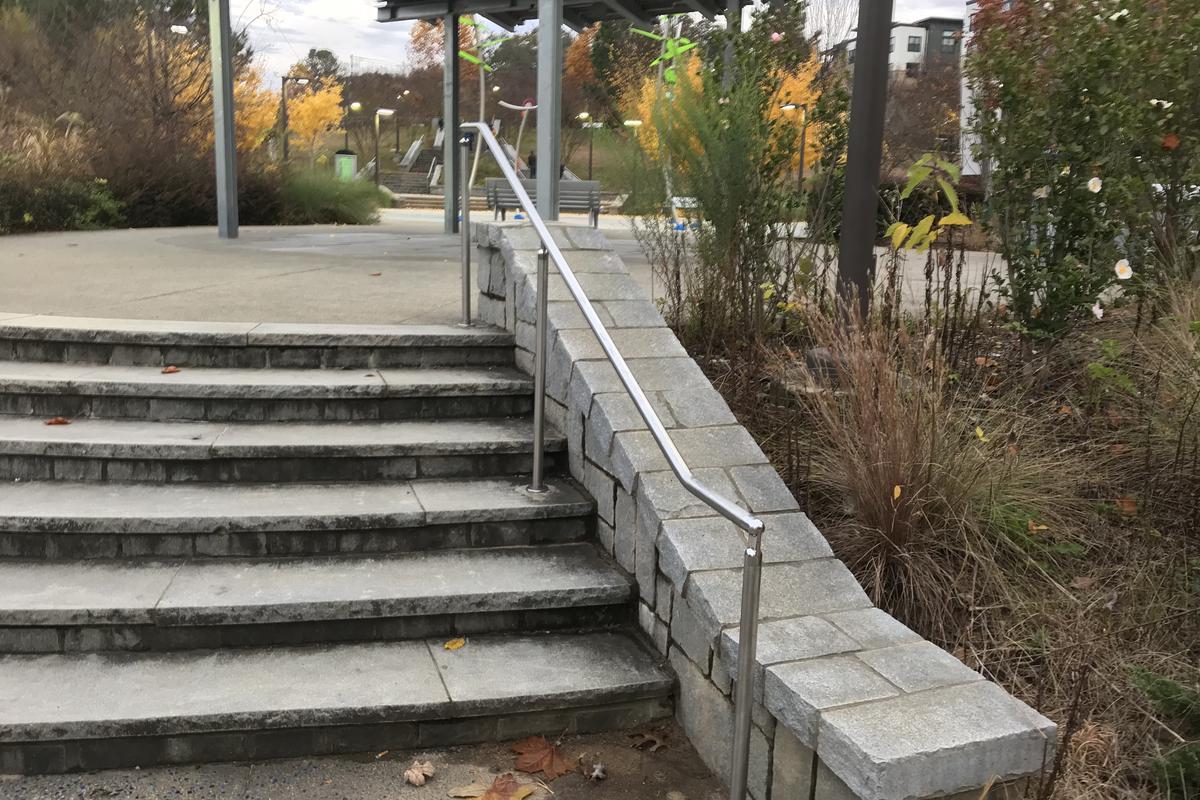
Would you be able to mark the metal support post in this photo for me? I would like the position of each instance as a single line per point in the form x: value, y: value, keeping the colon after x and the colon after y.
x: 863, y: 154
x: 747, y: 650
x: 538, y: 485
x: 549, y: 99
x: 221, y: 42
x: 450, y: 163
x: 465, y: 232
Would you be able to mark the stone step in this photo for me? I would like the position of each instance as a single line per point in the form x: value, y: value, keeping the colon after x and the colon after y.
x: 55, y: 606
x: 49, y: 389
x: 65, y: 713
x: 158, y: 343
x: 195, y: 520
x: 174, y: 452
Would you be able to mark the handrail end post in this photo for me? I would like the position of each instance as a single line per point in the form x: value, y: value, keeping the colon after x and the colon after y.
x: 746, y: 668
x: 465, y: 230
x: 538, y: 483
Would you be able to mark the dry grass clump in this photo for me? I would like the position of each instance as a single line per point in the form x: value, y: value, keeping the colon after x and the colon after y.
x: 936, y: 497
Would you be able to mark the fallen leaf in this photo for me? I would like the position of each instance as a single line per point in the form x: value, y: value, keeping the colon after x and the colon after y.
x: 381, y: 755
x: 1127, y: 506
x: 1064, y: 409
x: 504, y: 787
x: 1170, y: 141
x: 1034, y: 527
x: 647, y: 741
x: 896, y: 492
x: 58, y: 421
x: 455, y: 644
x: 1083, y: 582
x: 536, y: 754
x: 1013, y: 450
x: 376, y: 274
x: 980, y: 436
x: 418, y: 773
x: 1118, y: 448
x: 170, y: 369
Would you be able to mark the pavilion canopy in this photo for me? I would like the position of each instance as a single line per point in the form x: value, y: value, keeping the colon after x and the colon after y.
x: 576, y: 13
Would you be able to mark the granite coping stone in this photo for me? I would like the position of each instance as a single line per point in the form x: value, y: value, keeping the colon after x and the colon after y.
x: 711, y: 543
x: 795, y: 639
x: 939, y: 741
x: 100, y: 695
x: 792, y: 589
x: 636, y: 451
x: 281, y: 590
x: 797, y: 692
x: 918, y: 666
x: 101, y: 508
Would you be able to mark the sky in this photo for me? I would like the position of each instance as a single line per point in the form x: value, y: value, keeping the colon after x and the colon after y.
x: 282, y: 31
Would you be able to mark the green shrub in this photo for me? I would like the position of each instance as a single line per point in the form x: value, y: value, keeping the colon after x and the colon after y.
x: 318, y: 197
x: 1177, y: 770
x: 29, y: 204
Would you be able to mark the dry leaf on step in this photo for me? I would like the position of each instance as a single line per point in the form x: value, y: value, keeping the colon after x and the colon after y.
x: 504, y: 787
x: 170, y: 369
x: 418, y: 772
x: 647, y: 741
x: 58, y: 421
x: 536, y: 754
x: 455, y: 644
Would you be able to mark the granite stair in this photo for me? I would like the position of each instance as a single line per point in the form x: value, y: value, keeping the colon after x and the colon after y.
x: 246, y: 541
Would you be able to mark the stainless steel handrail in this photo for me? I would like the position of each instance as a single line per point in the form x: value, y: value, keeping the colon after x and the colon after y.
x: 752, y: 561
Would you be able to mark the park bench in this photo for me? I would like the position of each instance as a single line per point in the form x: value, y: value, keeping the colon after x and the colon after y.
x: 572, y: 196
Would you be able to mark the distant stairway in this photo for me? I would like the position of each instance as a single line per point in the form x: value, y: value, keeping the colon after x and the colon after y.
x: 264, y: 553
x: 414, y: 180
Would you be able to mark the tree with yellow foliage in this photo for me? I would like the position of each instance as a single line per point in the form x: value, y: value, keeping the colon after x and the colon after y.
x: 313, y: 111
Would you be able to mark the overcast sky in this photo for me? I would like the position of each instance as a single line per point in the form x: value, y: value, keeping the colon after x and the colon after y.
x: 282, y: 31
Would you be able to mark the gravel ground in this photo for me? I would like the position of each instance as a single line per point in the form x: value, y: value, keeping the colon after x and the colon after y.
x: 673, y: 772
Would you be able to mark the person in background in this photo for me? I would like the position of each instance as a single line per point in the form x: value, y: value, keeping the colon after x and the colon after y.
x: 531, y: 160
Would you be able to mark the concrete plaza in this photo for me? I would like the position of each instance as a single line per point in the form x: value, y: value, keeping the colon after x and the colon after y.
x: 401, y: 271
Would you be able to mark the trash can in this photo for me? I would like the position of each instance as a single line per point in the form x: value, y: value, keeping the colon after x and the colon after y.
x: 345, y: 164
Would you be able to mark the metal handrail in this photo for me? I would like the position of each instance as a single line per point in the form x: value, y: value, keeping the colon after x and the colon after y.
x: 752, y: 572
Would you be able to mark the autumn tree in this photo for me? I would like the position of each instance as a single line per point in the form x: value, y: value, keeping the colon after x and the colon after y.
x: 314, y: 110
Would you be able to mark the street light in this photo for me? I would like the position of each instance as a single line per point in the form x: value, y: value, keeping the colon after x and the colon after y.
x: 299, y: 80
x: 633, y: 123
x: 380, y: 113
x: 355, y: 107
x: 584, y: 118
x: 789, y: 106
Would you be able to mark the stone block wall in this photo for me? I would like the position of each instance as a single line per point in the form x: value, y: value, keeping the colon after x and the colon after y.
x: 851, y: 703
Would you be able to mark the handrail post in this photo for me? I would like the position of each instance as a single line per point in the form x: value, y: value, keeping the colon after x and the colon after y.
x: 465, y: 231
x: 538, y: 484
x: 747, y: 652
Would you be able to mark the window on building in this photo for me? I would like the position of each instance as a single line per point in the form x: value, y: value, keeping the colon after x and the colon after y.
x: 949, y: 41
x: 892, y: 45
x: 850, y: 56
x: 912, y: 69
x: 914, y: 44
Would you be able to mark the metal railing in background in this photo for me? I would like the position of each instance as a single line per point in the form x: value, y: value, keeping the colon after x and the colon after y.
x: 751, y: 525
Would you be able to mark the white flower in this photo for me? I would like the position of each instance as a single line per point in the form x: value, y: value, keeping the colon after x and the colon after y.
x: 1163, y: 104
x: 1042, y: 192
x: 1123, y: 270
x: 1124, y: 12
x: 1097, y: 311
x: 1048, y: 6
x: 1095, y: 185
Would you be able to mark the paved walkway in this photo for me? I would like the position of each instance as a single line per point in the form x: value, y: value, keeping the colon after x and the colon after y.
x: 403, y: 270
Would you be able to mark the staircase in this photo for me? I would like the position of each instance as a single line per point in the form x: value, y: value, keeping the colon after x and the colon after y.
x: 264, y: 553
x: 415, y: 180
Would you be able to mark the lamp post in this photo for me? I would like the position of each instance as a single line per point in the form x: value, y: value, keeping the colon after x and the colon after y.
x: 355, y: 107
x: 584, y: 117
x: 803, y: 138
x: 380, y: 113
x: 299, y: 80
x: 400, y: 96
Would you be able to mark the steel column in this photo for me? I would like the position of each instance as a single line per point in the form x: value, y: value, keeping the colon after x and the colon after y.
x: 450, y: 134
x: 549, y: 98
x: 864, y: 153
x: 743, y: 701
x: 220, y: 38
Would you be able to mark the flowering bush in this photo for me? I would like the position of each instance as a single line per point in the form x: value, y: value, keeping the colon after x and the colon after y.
x: 1086, y: 119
